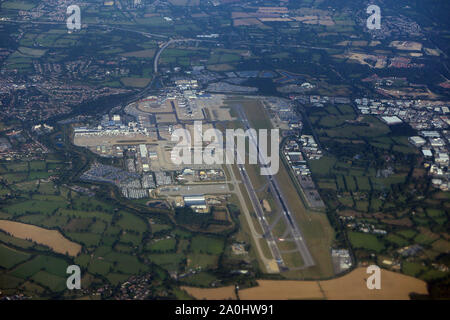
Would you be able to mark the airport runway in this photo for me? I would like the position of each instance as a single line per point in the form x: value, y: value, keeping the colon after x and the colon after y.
x: 262, y: 219
x: 254, y: 234
x: 279, y: 196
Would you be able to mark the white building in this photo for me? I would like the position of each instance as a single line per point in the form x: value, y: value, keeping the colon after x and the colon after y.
x: 437, y: 142
x: 442, y: 158
x: 427, y: 152
x: 417, y: 141
x: 391, y: 120
x: 143, y: 150
x: 194, y: 199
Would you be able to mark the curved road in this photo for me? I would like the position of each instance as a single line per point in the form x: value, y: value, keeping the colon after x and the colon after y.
x: 168, y: 43
x: 161, y: 49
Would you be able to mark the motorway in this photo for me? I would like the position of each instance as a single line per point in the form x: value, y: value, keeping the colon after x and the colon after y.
x: 148, y: 88
x: 163, y: 47
x: 295, y: 231
x: 168, y: 43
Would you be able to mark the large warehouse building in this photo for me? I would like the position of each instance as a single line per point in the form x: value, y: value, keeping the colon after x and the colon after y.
x: 195, y: 200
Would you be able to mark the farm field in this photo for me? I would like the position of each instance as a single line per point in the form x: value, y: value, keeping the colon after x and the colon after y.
x: 11, y: 257
x: 18, y: 5
x: 223, y: 293
x: 135, y: 82
x: 50, y: 238
x: 106, y: 241
x: 352, y: 286
x: 378, y: 200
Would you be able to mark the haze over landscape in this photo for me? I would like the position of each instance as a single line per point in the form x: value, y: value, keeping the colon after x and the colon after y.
x: 224, y: 149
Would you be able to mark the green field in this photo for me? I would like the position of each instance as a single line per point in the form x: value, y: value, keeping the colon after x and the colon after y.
x: 18, y: 5
x: 135, y: 82
x: 11, y: 257
x: 55, y: 266
x: 162, y: 245
x: 201, y: 279
x: 204, y: 244
x: 365, y: 241
x: 170, y: 261
x: 203, y: 261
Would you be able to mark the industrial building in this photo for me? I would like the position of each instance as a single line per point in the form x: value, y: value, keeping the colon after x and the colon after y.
x: 391, y: 120
x: 417, y: 141
x: 194, y: 200
x: 143, y: 150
